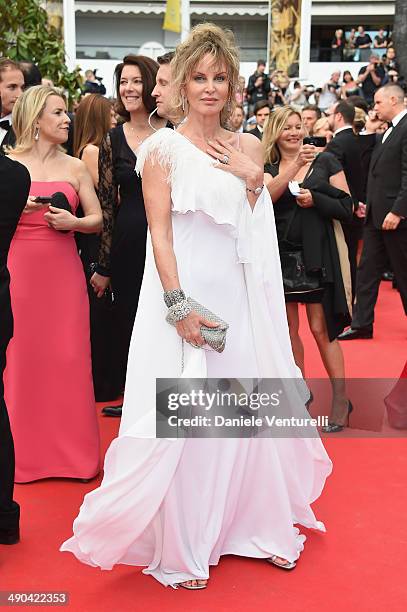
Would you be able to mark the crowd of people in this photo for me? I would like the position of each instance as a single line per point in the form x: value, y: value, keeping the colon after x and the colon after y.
x: 277, y: 89
x: 354, y: 45
x: 250, y: 200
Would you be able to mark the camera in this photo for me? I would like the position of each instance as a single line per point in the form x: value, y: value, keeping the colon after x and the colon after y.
x: 316, y: 141
x: 98, y: 78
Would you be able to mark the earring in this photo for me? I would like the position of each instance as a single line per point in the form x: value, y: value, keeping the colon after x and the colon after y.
x: 183, y: 103
x: 37, y: 134
x: 229, y: 105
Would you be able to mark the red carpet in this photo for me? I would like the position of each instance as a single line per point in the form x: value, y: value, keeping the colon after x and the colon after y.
x: 357, y: 565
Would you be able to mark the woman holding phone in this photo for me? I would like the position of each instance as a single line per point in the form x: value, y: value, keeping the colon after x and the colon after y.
x: 48, y: 379
x: 309, y: 191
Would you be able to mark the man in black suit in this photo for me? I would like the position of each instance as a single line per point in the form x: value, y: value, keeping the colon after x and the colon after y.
x: 385, y: 231
x: 14, y: 190
x: 345, y: 146
x: 11, y: 87
x: 262, y: 113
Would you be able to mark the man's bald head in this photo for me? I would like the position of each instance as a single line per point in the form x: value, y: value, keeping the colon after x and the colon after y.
x: 389, y: 101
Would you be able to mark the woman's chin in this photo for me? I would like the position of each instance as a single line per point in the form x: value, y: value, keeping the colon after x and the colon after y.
x: 209, y: 111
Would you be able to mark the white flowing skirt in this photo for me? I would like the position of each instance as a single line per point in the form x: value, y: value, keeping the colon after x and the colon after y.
x: 176, y: 506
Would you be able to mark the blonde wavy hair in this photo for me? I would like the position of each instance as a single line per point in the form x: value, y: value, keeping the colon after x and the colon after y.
x: 26, y: 112
x: 273, y: 130
x: 203, y: 39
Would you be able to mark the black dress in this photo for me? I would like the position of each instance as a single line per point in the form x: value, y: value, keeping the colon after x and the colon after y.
x: 106, y: 385
x: 311, y: 230
x: 123, y: 241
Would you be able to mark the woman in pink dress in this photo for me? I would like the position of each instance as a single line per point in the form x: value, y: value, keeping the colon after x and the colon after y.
x: 48, y: 379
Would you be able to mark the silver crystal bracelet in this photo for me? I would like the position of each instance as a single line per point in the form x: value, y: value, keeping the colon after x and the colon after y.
x: 178, y: 312
x: 173, y: 297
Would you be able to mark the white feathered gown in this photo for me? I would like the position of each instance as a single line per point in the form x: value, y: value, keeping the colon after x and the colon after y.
x: 176, y: 506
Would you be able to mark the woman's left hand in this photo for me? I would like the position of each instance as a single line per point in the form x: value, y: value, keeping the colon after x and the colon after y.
x: 232, y: 160
x: 60, y: 219
x: 304, y: 199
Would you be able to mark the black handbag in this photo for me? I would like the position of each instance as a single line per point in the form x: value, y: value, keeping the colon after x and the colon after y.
x: 296, y: 279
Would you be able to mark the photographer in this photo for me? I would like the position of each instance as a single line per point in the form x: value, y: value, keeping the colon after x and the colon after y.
x: 371, y: 77
x: 331, y: 91
x: 258, y: 87
x: 93, y: 83
x: 276, y: 95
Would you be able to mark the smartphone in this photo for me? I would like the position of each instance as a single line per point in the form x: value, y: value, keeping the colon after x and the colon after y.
x: 43, y: 200
x: 317, y: 141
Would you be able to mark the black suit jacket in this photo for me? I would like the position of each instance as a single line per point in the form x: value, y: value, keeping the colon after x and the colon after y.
x: 14, y: 189
x: 387, y: 183
x: 345, y: 146
x: 9, y: 140
x: 255, y: 132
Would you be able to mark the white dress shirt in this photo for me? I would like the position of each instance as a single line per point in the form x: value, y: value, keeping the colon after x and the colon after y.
x: 341, y: 129
x: 394, y: 121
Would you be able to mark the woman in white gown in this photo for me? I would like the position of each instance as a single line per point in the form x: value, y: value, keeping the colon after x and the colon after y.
x: 176, y: 506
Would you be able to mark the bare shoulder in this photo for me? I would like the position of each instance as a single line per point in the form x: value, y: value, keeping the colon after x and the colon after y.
x: 76, y: 169
x: 90, y: 152
x: 250, y: 144
x: 91, y: 149
x: 75, y: 165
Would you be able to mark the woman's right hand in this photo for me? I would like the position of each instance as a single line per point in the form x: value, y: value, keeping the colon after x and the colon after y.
x: 190, y: 328
x: 306, y: 155
x: 32, y: 206
x: 99, y: 283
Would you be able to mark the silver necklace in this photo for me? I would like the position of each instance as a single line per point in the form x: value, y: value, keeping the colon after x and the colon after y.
x: 140, y: 140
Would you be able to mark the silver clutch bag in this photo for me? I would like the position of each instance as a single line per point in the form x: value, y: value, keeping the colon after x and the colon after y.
x: 215, y: 337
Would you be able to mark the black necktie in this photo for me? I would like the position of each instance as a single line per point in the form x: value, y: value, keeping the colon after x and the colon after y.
x: 390, y: 124
x: 5, y: 124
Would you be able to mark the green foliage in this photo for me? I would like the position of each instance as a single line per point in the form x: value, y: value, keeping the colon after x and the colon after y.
x: 25, y: 34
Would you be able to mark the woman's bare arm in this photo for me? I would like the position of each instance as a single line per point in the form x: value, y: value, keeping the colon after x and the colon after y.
x: 90, y: 157
x: 157, y: 201
x: 339, y: 181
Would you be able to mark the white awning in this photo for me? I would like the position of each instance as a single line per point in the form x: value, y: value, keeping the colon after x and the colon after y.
x: 150, y: 9
x: 369, y: 8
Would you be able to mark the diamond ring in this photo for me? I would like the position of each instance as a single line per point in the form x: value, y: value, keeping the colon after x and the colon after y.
x: 225, y: 159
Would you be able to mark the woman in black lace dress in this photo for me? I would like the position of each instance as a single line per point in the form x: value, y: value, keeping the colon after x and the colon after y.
x: 309, y: 222
x: 123, y: 241
x: 94, y: 118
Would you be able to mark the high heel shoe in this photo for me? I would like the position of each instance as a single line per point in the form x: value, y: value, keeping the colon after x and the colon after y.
x: 335, y: 427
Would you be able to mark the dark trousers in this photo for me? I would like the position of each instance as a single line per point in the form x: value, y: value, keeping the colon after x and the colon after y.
x: 9, y: 510
x: 378, y: 245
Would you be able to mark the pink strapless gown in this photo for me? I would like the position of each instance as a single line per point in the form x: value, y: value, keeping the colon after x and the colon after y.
x: 48, y: 379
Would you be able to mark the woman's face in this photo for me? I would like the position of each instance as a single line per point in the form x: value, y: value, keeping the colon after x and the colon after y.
x: 131, y: 89
x: 347, y: 77
x: 54, y: 122
x: 207, y: 90
x: 113, y: 118
x: 290, y: 139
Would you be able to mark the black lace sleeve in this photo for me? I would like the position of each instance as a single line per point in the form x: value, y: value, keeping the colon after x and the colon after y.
x: 107, y: 192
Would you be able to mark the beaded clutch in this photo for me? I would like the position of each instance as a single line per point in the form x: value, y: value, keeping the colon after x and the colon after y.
x: 215, y: 337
